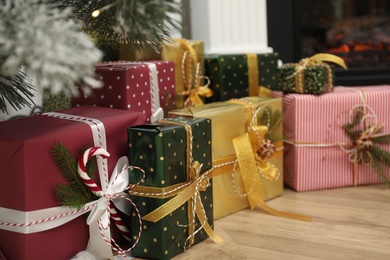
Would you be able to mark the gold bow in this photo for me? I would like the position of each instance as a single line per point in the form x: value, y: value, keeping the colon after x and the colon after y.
x: 194, y: 91
x: 187, y: 192
x: 194, y: 94
x: 315, y: 60
x: 252, y: 165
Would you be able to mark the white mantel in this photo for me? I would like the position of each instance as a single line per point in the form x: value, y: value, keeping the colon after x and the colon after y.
x: 230, y: 26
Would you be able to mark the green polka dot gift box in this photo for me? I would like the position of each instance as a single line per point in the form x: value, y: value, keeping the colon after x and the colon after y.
x: 240, y: 75
x: 176, y: 191
x: 310, y: 76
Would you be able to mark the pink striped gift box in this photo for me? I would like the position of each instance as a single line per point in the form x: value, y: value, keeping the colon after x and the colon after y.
x: 316, y: 155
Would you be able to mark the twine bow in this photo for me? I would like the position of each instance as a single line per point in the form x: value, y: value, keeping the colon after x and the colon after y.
x: 362, y: 129
x: 193, y: 88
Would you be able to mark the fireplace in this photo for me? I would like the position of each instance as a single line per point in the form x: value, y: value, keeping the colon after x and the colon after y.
x: 356, y: 30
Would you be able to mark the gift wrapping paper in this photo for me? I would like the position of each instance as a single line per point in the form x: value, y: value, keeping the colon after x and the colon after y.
x: 29, y: 176
x: 240, y: 75
x: 228, y: 122
x: 315, y: 154
x: 161, y: 150
x: 316, y: 79
x: 311, y: 75
x: 147, y: 87
x: 175, y: 52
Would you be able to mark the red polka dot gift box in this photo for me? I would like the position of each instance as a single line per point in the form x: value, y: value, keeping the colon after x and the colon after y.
x: 147, y: 87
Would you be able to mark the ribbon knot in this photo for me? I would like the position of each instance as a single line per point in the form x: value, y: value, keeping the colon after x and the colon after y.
x: 362, y: 144
x: 185, y: 193
x: 364, y: 132
x: 319, y: 60
x: 193, y: 88
x: 251, y: 164
x: 195, y: 176
x: 113, y: 193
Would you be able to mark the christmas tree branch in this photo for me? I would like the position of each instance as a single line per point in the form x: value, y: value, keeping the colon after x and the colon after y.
x: 137, y: 23
x: 17, y: 90
x: 76, y: 194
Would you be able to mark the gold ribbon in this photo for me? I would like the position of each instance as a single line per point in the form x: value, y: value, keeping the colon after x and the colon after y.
x: 253, y: 78
x: 182, y: 192
x: 315, y: 60
x: 193, y: 93
x: 246, y: 147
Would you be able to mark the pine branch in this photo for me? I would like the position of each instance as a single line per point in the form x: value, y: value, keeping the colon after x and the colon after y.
x: 381, y: 173
x: 69, y: 197
x: 17, y: 90
x: 349, y: 126
x: 28, y: 27
x: 382, y: 139
x: 77, y: 193
x: 380, y: 154
x: 138, y: 23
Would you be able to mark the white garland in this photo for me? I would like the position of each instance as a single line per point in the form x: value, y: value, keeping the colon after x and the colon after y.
x: 49, y: 42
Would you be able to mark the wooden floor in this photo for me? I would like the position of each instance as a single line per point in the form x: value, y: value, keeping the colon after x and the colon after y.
x: 348, y: 223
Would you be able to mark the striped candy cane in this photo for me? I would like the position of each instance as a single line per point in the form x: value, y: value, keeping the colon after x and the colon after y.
x: 82, y: 168
x: 98, y: 151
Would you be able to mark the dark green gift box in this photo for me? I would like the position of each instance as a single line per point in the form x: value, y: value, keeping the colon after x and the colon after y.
x: 313, y: 79
x: 230, y: 75
x: 311, y: 75
x: 161, y: 150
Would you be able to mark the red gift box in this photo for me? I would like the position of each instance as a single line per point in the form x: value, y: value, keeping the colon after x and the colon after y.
x: 318, y: 154
x: 29, y: 175
x: 147, y: 87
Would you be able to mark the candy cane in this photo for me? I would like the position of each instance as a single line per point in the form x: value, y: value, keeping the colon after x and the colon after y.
x: 82, y: 163
x: 82, y: 168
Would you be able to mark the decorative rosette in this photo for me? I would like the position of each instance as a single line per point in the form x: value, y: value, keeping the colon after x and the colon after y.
x: 366, y: 139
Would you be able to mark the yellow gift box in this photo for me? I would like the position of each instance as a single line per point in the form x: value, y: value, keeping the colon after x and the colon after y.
x: 187, y: 55
x: 230, y: 120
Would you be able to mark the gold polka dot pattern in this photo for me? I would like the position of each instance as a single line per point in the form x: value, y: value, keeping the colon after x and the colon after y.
x: 229, y: 74
x: 163, y: 149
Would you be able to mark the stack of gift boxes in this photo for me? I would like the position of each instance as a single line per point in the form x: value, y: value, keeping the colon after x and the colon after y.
x: 183, y: 151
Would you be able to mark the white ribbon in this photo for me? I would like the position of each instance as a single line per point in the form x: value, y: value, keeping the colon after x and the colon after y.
x: 99, y: 218
x: 45, y: 219
x: 49, y: 218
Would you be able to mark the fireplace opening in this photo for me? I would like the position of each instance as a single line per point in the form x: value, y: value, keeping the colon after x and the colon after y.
x: 356, y: 30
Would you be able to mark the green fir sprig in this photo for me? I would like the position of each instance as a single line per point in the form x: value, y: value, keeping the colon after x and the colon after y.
x: 374, y: 155
x: 75, y: 194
